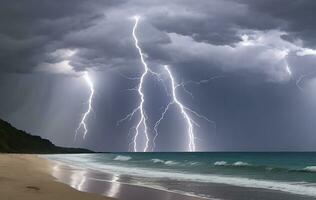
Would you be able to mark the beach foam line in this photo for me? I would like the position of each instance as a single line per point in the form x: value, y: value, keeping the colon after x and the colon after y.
x: 156, y: 187
x: 290, y: 187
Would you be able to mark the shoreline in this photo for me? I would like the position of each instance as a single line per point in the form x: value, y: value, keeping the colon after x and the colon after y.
x: 35, y: 177
x: 120, y: 186
x: 28, y: 177
x: 94, y: 181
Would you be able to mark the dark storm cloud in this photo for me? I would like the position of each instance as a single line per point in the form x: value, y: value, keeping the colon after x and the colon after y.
x: 215, y: 22
x: 218, y: 21
x: 39, y: 34
x: 298, y: 16
x: 31, y: 30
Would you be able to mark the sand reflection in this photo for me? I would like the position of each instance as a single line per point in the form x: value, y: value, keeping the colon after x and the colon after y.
x: 114, y: 188
x: 76, y: 178
x: 84, y: 180
x: 107, y: 184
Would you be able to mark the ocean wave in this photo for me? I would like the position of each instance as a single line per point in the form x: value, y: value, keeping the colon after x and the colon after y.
x: 168, y: 162
x: 248, y: 166
x: 194, y: 163
x: 236, y: 164
x: 291, y: 187
x: 220, y: 163
x: 155, y: 160
x: 122, y: 158
x: 310, y: 169
x: 240, y: 164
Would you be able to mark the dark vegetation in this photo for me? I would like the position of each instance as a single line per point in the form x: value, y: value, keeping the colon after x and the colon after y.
x: 13, y: 140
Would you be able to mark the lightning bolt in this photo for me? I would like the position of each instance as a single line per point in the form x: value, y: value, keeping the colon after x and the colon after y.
x: 288, y: 70
x: 185, y: 111
x: 143, y: 117
x: 82, y: 124
x: 299, y: 80
x: 142, y: 122
x: 183, y: 84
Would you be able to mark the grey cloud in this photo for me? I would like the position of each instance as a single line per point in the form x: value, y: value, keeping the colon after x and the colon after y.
x: 32, y: 29
x: 100, y: 33
x: 256, y: 58
x: 298, y: 17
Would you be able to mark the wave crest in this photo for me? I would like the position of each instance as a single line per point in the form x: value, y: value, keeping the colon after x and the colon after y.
x: 237, y: 164
x: 220, y: 163
x: 241, y: 164
x: 155, y: 160
x: 122, y: 158
x: 310, y: 169
x: 168, y: 162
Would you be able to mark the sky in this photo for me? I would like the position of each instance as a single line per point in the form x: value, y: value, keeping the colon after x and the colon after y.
x: 244, y: 70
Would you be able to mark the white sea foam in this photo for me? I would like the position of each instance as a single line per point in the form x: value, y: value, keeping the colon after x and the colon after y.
x: 291, y: 187
x: 310, y: 168
x: 170, y: 162
x: 122, y: 158
x: 220, y: 163
x: 240, y: 164
x: 155, y: 160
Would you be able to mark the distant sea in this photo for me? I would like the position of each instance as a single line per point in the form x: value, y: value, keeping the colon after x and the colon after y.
x: 197, y: 174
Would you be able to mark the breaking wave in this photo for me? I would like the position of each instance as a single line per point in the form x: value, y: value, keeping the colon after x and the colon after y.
x: 167, y: 162
x: 220, y: 163
x: 237, y: 164
x: 157, y: 160
x: 240, y: 163
x: 122, y: 158
x: 310, y: 169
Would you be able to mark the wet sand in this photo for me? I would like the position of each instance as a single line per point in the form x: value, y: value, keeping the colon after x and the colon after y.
x: 114, y: 185
x: 111, y: 185
x: 28, y: 177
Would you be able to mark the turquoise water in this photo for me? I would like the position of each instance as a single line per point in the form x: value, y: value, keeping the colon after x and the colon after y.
x: 293, y: 173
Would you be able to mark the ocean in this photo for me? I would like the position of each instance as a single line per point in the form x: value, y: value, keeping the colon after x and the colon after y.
x: 204, y: 175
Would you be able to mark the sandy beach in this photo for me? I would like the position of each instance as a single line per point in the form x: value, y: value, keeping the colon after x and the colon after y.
x: 29, y: 177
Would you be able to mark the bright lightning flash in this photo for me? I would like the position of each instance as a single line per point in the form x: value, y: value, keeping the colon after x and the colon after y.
x: 288, y: 70
x: 141, y: 125
x: 184, y: 111
x: 82, y: 124
x: 142, y: 122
